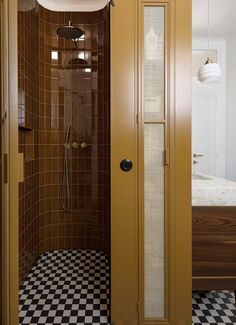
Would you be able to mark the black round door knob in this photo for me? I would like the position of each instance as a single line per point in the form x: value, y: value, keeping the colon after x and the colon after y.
x: 126, y: 165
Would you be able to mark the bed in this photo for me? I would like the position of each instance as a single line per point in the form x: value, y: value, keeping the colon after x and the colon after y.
x: 214, y: 233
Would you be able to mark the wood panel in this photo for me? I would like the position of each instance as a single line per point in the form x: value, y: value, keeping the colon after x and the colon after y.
x: 216, y: 283
x: 214, y: 221
x: 214, y: 248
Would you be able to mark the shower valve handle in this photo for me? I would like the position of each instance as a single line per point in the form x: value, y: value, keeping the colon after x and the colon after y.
x: 81, y: 145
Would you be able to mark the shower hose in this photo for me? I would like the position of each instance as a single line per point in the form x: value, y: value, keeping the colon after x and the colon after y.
x: 66, y: 201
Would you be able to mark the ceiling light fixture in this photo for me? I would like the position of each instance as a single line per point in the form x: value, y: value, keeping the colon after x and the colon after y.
x: 210, y: 72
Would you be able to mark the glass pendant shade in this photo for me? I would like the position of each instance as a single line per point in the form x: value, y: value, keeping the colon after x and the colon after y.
x: 209, y: 73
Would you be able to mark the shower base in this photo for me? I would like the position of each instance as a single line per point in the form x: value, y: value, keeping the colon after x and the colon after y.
x: 67, y: 287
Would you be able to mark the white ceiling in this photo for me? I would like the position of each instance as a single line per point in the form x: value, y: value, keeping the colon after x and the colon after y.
x: 223, y: 18
x: 73, y: 5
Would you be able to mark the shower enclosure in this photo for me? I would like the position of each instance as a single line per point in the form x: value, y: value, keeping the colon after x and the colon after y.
x: 64, y: 133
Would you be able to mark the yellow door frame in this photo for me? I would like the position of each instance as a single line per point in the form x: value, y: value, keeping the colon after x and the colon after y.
x: 124, y: 144
x: 181, y: 161
x: 10, y: 171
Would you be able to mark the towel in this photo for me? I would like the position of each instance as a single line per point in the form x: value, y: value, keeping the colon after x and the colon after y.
x: 73, y: 5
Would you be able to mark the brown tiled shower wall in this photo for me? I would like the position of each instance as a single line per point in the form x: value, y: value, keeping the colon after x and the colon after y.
x: 28, y: 90
x: 64, y: 93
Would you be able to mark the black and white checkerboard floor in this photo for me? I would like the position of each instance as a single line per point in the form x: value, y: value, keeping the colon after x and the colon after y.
x: 213, y: 307
x: 67, y: 287
x: 72, y: 288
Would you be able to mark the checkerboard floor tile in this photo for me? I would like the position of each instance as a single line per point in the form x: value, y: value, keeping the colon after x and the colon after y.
x: 213, y: 307
x: 67, y: 287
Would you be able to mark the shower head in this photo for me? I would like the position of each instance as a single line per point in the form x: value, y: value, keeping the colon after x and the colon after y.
x: 69, y: 32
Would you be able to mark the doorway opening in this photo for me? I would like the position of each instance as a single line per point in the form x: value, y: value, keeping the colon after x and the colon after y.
x: 214, y: 157
x: 64, y: 134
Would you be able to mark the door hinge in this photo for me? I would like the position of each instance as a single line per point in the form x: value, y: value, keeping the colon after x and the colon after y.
x: 21, y: 167
x: 5, y: 168
x: 137, y: 118
x: 4, y: 116
x: 138, y: 307
x: 167, y: 156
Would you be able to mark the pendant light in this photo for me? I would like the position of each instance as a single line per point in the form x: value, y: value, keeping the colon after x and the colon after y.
x: 210, y: 72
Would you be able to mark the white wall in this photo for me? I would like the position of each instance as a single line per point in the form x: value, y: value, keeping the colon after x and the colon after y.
x: 220, y: 114
x: 231, y: 108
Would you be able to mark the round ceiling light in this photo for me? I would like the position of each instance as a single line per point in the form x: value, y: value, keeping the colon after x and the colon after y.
x: 209, y: 73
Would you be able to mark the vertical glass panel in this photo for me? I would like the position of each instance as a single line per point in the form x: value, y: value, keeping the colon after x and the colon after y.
x: 154, y: 195
x: 154, y: 62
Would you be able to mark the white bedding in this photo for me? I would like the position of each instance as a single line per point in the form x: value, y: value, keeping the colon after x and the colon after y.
x: 212, y: 191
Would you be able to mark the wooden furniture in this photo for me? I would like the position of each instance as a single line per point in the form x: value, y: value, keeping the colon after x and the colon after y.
x: 214, y: 248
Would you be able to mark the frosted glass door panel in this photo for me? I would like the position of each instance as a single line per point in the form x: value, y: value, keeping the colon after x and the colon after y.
x: 154, y: 216
x: 154, y: 169
x: 154, y: 63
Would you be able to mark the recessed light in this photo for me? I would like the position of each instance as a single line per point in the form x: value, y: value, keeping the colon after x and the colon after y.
x: 82, y: 55
x: 54, y: 55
